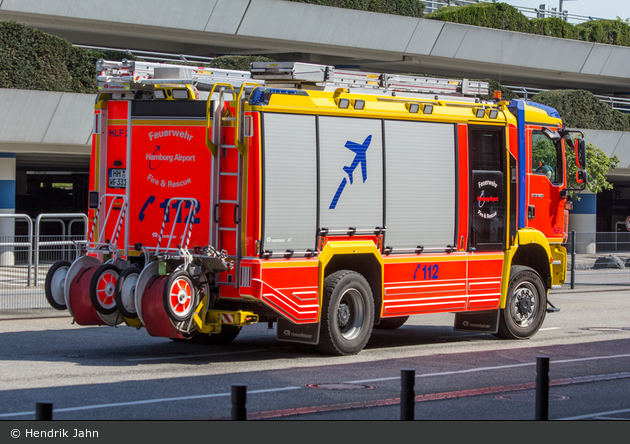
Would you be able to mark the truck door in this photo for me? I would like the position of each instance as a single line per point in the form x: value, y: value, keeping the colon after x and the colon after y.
x: 487, y: 190
x: 545, y: 179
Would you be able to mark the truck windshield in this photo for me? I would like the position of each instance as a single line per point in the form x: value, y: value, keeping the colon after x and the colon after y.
x: 547, y: 157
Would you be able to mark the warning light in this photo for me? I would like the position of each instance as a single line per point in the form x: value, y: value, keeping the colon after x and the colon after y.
x: 497, y: 95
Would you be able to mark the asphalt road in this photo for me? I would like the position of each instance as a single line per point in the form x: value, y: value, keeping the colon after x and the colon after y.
x: 114, y: 374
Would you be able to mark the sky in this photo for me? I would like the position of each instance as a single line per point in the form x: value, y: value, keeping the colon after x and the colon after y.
x: 606, y: 9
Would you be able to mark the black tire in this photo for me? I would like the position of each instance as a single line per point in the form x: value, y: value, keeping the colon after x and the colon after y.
x: 102, y: 288
x: 179, y: 296
x: 347, y: 314
x: 126, y: 289
x: 54, y: 286
x: 526, y: 305
x: 391, y: 323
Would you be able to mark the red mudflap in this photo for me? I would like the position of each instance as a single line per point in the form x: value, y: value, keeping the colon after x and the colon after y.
x: 79, y: 298
x: 156, y: 321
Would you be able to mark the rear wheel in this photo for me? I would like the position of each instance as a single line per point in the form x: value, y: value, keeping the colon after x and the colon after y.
x: 347, y: 314
x: 125, y: 292
x: 55, y: 283
x: 391, y: 323
x: 102, y: 287
x: 526, y: 304
x: 179, y: 296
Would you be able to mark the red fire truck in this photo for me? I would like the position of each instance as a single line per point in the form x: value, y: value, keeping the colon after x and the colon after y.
x: 329, y: 202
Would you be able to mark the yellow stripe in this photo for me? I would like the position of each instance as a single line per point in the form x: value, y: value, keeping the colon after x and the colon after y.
x: 117, y: 121
x: 490, y: 257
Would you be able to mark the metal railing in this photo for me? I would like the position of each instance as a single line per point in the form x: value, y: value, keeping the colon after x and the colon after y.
x: 153, y: 56
x: 618, y: 103
x: 434, y: 5
x: 25, y: 257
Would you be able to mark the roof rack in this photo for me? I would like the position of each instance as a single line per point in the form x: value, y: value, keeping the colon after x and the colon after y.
x: 307, y: 73
x: 129, y: 75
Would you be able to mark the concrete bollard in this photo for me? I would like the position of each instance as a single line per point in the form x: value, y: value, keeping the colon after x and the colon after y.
x: 239, y: 398
x: 407, y: 394
x: 542, y: 388
x: 44, y: 411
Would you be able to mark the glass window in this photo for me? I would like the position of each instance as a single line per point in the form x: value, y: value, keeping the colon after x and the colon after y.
x: 546, y: 157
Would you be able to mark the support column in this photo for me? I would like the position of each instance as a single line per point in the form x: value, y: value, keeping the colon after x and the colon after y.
x: 7, y: 206
x: 583, y: 220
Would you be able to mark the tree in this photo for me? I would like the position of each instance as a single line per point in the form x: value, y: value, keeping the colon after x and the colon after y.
x: 598, y: 165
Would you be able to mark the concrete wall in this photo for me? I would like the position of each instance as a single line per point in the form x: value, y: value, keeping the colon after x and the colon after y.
x: 45, y: 119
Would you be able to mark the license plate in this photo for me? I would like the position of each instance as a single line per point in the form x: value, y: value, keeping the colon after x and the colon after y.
x: 117, y: 178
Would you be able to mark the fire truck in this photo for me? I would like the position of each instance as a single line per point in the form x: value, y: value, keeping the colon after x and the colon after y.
x: 328, y: 202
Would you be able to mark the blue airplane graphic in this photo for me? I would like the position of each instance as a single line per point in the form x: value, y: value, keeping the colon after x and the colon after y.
x: 360, y: 158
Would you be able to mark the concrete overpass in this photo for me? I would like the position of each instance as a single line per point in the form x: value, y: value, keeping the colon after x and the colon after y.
x: 295, y: 31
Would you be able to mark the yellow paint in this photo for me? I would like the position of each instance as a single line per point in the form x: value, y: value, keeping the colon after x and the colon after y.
x: 537, y: 115
x: 209, y: 321
x: 524, y: 236
x: 325, y: 103
x: 132, y: 322
x: 216, y: 87
x: 347, y: 248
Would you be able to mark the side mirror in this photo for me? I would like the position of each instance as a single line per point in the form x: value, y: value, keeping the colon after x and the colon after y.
x: 581, y: 177
x: 580, y: 153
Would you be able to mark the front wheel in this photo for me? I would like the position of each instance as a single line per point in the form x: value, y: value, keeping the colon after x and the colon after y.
x: 347, y: 314
x: 526, y: 304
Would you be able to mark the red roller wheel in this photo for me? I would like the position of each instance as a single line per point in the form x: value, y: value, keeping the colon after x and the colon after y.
x: 79, y: 302
x: 180, y: 296
x: 151, y: 304
x: 102, y: 288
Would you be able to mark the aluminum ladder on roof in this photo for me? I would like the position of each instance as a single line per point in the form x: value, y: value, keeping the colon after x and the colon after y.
x: 297, y: 72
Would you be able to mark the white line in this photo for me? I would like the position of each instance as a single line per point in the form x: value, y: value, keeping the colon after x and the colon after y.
x: 550, y: 328
x: 273, y: 390
x: 592, y: 415
x: 193, y: 356
x: 500, y: 367
x: 148, y: 401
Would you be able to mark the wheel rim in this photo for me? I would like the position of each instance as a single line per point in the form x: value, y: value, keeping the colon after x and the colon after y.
x: 128, y: 292
x: 105, y: 289
x: 180, y: 297
x: 57, y: 285
x: 350, y: 314
x: 524, y: 305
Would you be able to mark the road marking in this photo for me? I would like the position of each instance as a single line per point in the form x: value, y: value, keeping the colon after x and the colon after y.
x: 550, y: 328
x: 149, y: 401
x: 482, y: 369
x: 443, y: 396
x: 599, y: 415
x: 582, y: 379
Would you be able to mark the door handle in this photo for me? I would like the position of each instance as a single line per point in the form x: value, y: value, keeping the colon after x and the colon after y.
x: 531, y: 212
